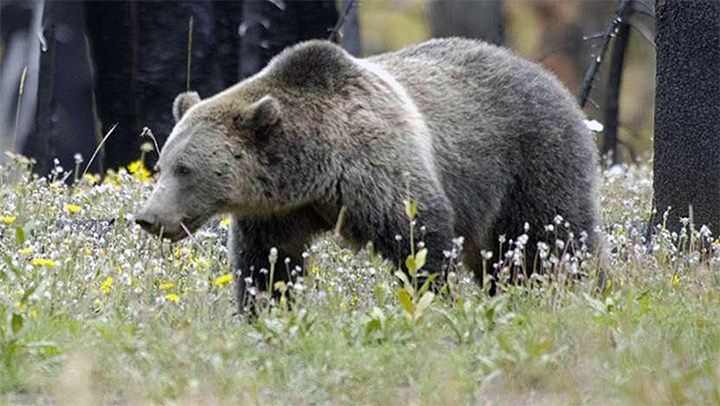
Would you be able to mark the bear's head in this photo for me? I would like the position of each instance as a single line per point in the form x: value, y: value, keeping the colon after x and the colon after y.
x: 261, y: 147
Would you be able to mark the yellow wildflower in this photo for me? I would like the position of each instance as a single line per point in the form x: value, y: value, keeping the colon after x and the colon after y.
x: 43, y: 262
x: 33, y: 314
x: 8, y: 219
x: 72, y: 208
x: 674, y: 280
x: 92, y: 178
x: 138, y: 169
x: 107, y: 284
x: 112, y: 178
x: 225, y: 222
x: 172, y: 297
x: 222, y: 280
x: 203, y: 264
x: 166, y: 286
x: 26, y: 251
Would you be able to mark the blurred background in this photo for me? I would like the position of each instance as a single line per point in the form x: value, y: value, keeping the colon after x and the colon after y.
x: 70, y: 71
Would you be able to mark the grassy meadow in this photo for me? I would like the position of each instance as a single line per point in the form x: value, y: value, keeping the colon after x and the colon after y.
x: 94, y: 311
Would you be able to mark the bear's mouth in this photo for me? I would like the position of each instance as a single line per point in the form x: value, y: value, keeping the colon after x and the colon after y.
x: 173, y: 232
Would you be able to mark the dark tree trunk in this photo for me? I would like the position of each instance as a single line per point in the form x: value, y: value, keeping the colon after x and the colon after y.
x: 687, y: 112
x: 271, y: 26
x: 612, y: 99
x: 228, y: 15
x: 19, y: 26
x: 64, y: 120
x: 473, y: 19
x: 112, y: 30
x: 140, y: 54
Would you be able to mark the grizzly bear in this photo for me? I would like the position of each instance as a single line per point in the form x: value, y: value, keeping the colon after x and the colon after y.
x: 482, y: 139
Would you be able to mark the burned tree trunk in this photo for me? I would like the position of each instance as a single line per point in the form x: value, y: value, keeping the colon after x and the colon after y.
x: 64, y: 120
x: 612, y: 97
x: 473, y: 19
x: 687, y: 112
x: 113, y: 42
x: 270, y: 26
x: 140, y: 53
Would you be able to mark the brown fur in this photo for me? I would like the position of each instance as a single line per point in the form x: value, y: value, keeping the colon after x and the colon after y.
x: 488, y: 141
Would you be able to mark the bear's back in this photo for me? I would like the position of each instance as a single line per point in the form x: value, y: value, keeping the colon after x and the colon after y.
x: 509, y: 139
x: 457, y: 77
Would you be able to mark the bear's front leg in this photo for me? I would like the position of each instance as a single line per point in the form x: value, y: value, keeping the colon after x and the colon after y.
x: 388, y: 227
x: 251, y: 239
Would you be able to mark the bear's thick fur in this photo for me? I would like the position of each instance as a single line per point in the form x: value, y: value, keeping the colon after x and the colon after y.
x: 487, y: 141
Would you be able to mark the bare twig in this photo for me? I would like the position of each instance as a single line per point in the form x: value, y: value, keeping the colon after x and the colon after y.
x: 192, y: 237
x: 591, y: 37
x: 102, y: 142
x: 566, y: 47
x: 593, y: 103
x: 339, y: 222
x: 146, y: 132
x: 189, y: 53
x: 341, y: 20
x: 621, y: 12
x: 21, y: 90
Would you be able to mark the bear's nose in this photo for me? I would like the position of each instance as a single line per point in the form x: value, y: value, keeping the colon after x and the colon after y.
x: 149, y: 222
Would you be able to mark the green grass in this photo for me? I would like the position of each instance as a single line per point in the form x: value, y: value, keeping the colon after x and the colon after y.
x: 70, y: 334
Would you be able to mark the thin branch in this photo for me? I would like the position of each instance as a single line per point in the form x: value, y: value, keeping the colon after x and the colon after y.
x: 339, y: 222
x: 146, y: 132
x: 621, y: 12
x: 14, y: 147
x: 593, y: 103
x: 566, y: 47
x: 341, y: 20
x: 189, y: 54
x: 192, y: 237
x: 102, y: 142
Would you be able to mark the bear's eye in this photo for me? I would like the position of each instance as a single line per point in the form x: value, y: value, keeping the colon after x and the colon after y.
x: 182, y: 170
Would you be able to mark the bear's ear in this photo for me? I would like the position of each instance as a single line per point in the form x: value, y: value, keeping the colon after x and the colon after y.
x: 260, y: 117
x: 183, y: 102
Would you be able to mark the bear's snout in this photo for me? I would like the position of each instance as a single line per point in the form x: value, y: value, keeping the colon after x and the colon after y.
x: 148, y: 222
x: 155, y: 224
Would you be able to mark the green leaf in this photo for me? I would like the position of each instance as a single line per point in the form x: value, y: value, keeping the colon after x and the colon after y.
x: 20, y: 235
x: 406, y: 302
x: 16, y: 323
x: 411, y: 267
x: 411, y: 209
x: 426, y: 285
x: 373, y: 324
x: 420, y: 258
